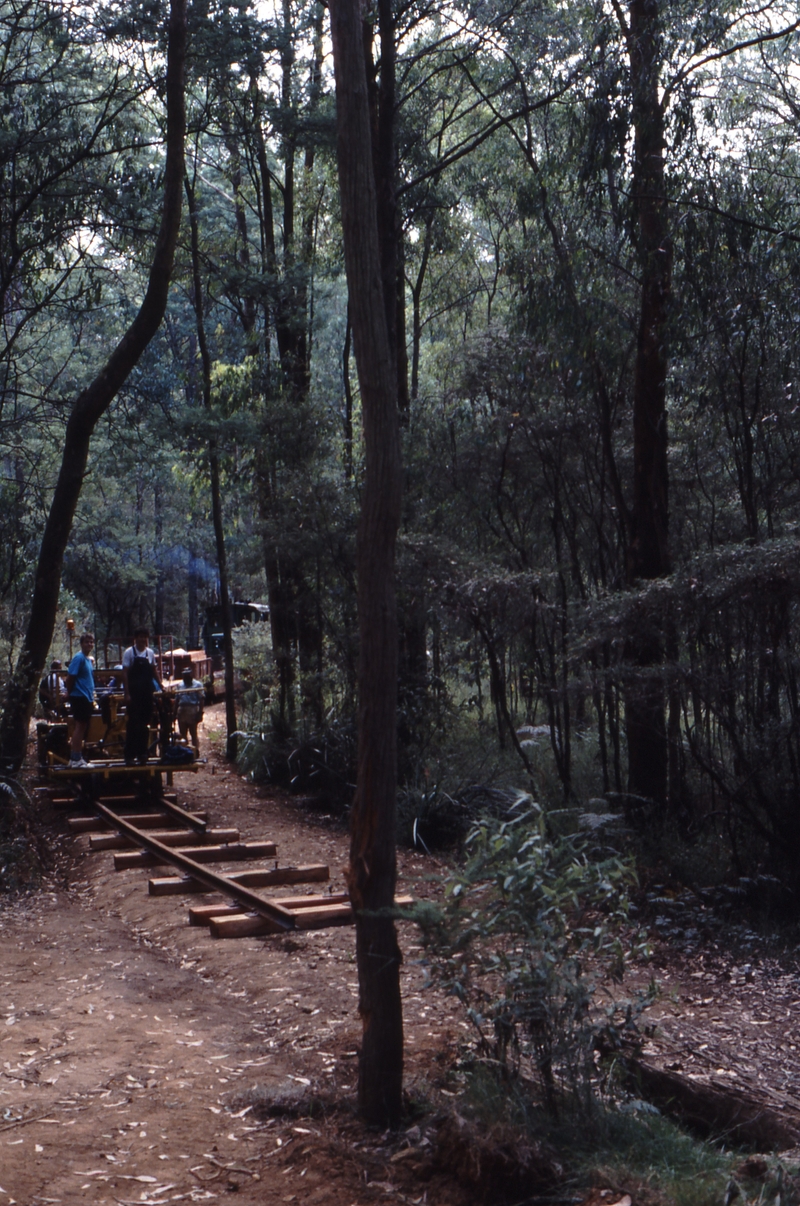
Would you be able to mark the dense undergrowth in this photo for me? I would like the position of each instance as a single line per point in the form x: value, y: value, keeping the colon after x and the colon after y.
x: 534, y: 937
x: 23, y: 850
x: 626, y: 1148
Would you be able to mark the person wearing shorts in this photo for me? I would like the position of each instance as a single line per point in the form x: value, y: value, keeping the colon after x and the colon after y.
x: 80, y: 689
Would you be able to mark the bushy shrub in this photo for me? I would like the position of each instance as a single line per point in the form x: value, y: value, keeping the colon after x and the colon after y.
x: 321, y: 765
x: 530, y: 929
x: 430, y: 818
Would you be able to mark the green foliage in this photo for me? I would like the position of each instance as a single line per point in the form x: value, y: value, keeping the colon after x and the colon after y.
x: 530, y: 931
x: 254, y: 662
x: 319, y: 766
x: 654, y: 1159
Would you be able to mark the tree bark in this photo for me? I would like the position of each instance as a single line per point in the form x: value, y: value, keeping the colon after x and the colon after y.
x: 88, y: 408
x: 372, y: 872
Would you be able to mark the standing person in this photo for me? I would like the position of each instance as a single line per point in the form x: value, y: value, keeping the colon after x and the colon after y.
x: 80, y: 689
x: 140, y: 679
x: 52, y: 691
x: 190, y: 708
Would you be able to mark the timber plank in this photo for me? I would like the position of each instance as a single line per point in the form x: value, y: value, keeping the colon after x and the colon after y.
x: 142, y: 820
x: 230, y: 853
x: 176, y: 885
x: 320, y: 917
x: 168, y: 837
x: 115, y: 801
x: 117, y: 770
x: 312, y: 917
x: 241, y: 925
x: 202, y: 914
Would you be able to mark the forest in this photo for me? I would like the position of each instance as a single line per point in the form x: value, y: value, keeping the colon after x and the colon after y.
x: 586, y: 264
x: 593, y: 238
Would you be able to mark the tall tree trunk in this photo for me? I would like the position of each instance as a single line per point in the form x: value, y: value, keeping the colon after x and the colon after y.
x: 279, y: 593
x: 648, y: 556
x: 649, y: 553
x: 88, y: 408
x: 373, y: 870
x: 214, y: 476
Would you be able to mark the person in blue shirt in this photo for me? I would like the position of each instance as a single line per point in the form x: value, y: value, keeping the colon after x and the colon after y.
x: 80, y: 689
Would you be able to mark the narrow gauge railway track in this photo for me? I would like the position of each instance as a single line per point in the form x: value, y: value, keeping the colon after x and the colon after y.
x: 132, y: 827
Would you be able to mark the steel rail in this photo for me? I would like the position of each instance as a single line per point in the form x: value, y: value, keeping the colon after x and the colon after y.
x: 189, y: 818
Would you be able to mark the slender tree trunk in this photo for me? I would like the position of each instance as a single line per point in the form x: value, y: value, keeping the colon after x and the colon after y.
x: 194, y: 622
x: 224, y: 598
x: 214, y: 476
x: 88, y: 408
x: 282, y: 623
x: 401, y: 351
x: 416, y: 298
x: 348, y: 401
x: 310, y: 649
x: 158, y: 509
x: 373, y: 870
x: 649, y: 548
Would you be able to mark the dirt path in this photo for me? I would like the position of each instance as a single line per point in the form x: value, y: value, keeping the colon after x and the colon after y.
x: 138, y: 1056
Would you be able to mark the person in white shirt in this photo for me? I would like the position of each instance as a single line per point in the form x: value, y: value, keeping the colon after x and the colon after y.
x: 140, y: 679
x: 53, y: 691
